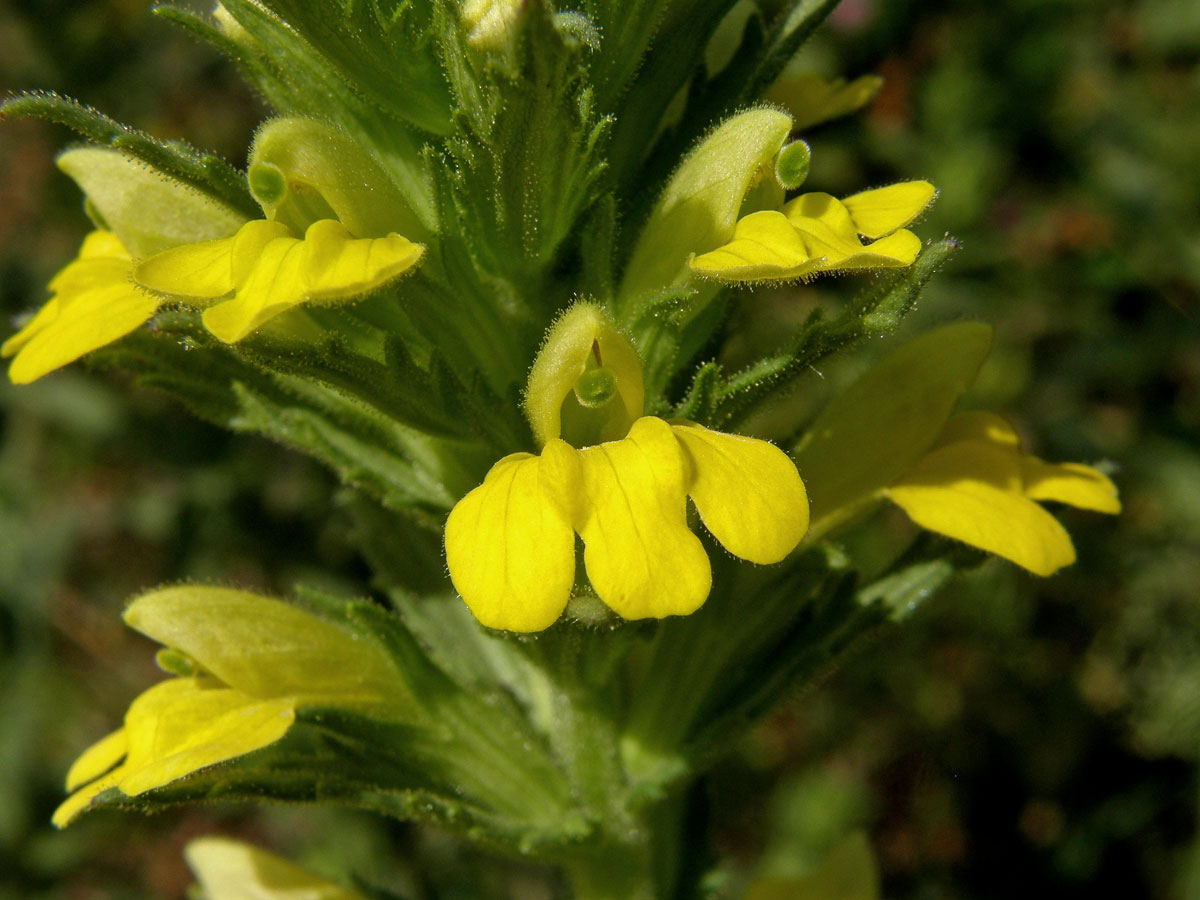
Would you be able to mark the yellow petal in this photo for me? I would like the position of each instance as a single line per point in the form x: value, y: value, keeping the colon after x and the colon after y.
x: 812, y: 99
x: 79, y: 801
x: 829, y: 233
x: 748, y: 493
x: 1073, y: 483
x: 95, y: 303
x: 230, y: 870
x: 830, y: 212
x: 980, y: 425
x: 44, y: 316
x: 337, y: 266
x: 98, y: 759
x: 872, y: 432
x: 186, y: 724
x: 641, y: 558
x: 209, y: 269
x: 894, y: 251
x: 765, y: 245
x: 329, y: 264
x: 972, y: 491
x: 883, y: 210
x: 175, y: 728
x: 274, y: 284
x: 510, y: 545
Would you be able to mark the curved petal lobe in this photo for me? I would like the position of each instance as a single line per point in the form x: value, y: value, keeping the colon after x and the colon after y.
x: 641, y: 558
x: 510, y: 545
x: 883, y: 210
x: 764, y: 245
x: 972, y: 491
x: 1072, y: 483
x: 748, y: 493
x: 94, y: 304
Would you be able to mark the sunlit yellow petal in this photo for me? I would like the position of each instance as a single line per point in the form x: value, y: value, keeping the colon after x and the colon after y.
x: 79, y: 801
x: 274, y: 285
x: 980, y: 425
x: 338, y: 266
x: 828, y: 231
x: 328, y: 264
x: 95, y: 304
x: 208, y: 269
x: 764, y: 246
x: 868, y: 435
x: 186, y: 724
x: 510, y: 545
x: 98, y: 759
x: 812, y: 99
x: 44, y: 316
x: 1072, y: 483
x: 641, y: 558
x: 173, y: 729
x: 971, y: 491
x: 830, y: 212
x: 882, y: 210
x: 894, y: 251
x: 747, y: 492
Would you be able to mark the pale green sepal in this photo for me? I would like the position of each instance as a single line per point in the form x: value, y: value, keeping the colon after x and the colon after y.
x: 699, y: 208
x: 231, y: 870
x: 148, y: 211
x: 265, y: 647
x: 301, y: 170
x: 873, y: 432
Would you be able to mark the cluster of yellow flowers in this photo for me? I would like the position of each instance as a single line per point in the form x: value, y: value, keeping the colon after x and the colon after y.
x: 605, y: 470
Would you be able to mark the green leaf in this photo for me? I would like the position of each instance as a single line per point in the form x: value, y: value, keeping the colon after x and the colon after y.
x: 206, y: 173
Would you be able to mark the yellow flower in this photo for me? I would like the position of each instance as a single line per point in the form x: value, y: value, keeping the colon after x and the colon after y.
x: 976, y: 485
x: 93, y: 302
x: 269, y: 271
x: 103, y: 294
x: 890, y: 436
x: 243, y: 696
x: 510, y: 543
x: 816, y: 232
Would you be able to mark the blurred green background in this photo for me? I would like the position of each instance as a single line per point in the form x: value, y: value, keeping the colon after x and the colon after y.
x: 1013, y: 735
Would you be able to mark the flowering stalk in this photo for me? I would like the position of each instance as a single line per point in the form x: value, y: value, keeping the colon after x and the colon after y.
x: 481, y: 268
